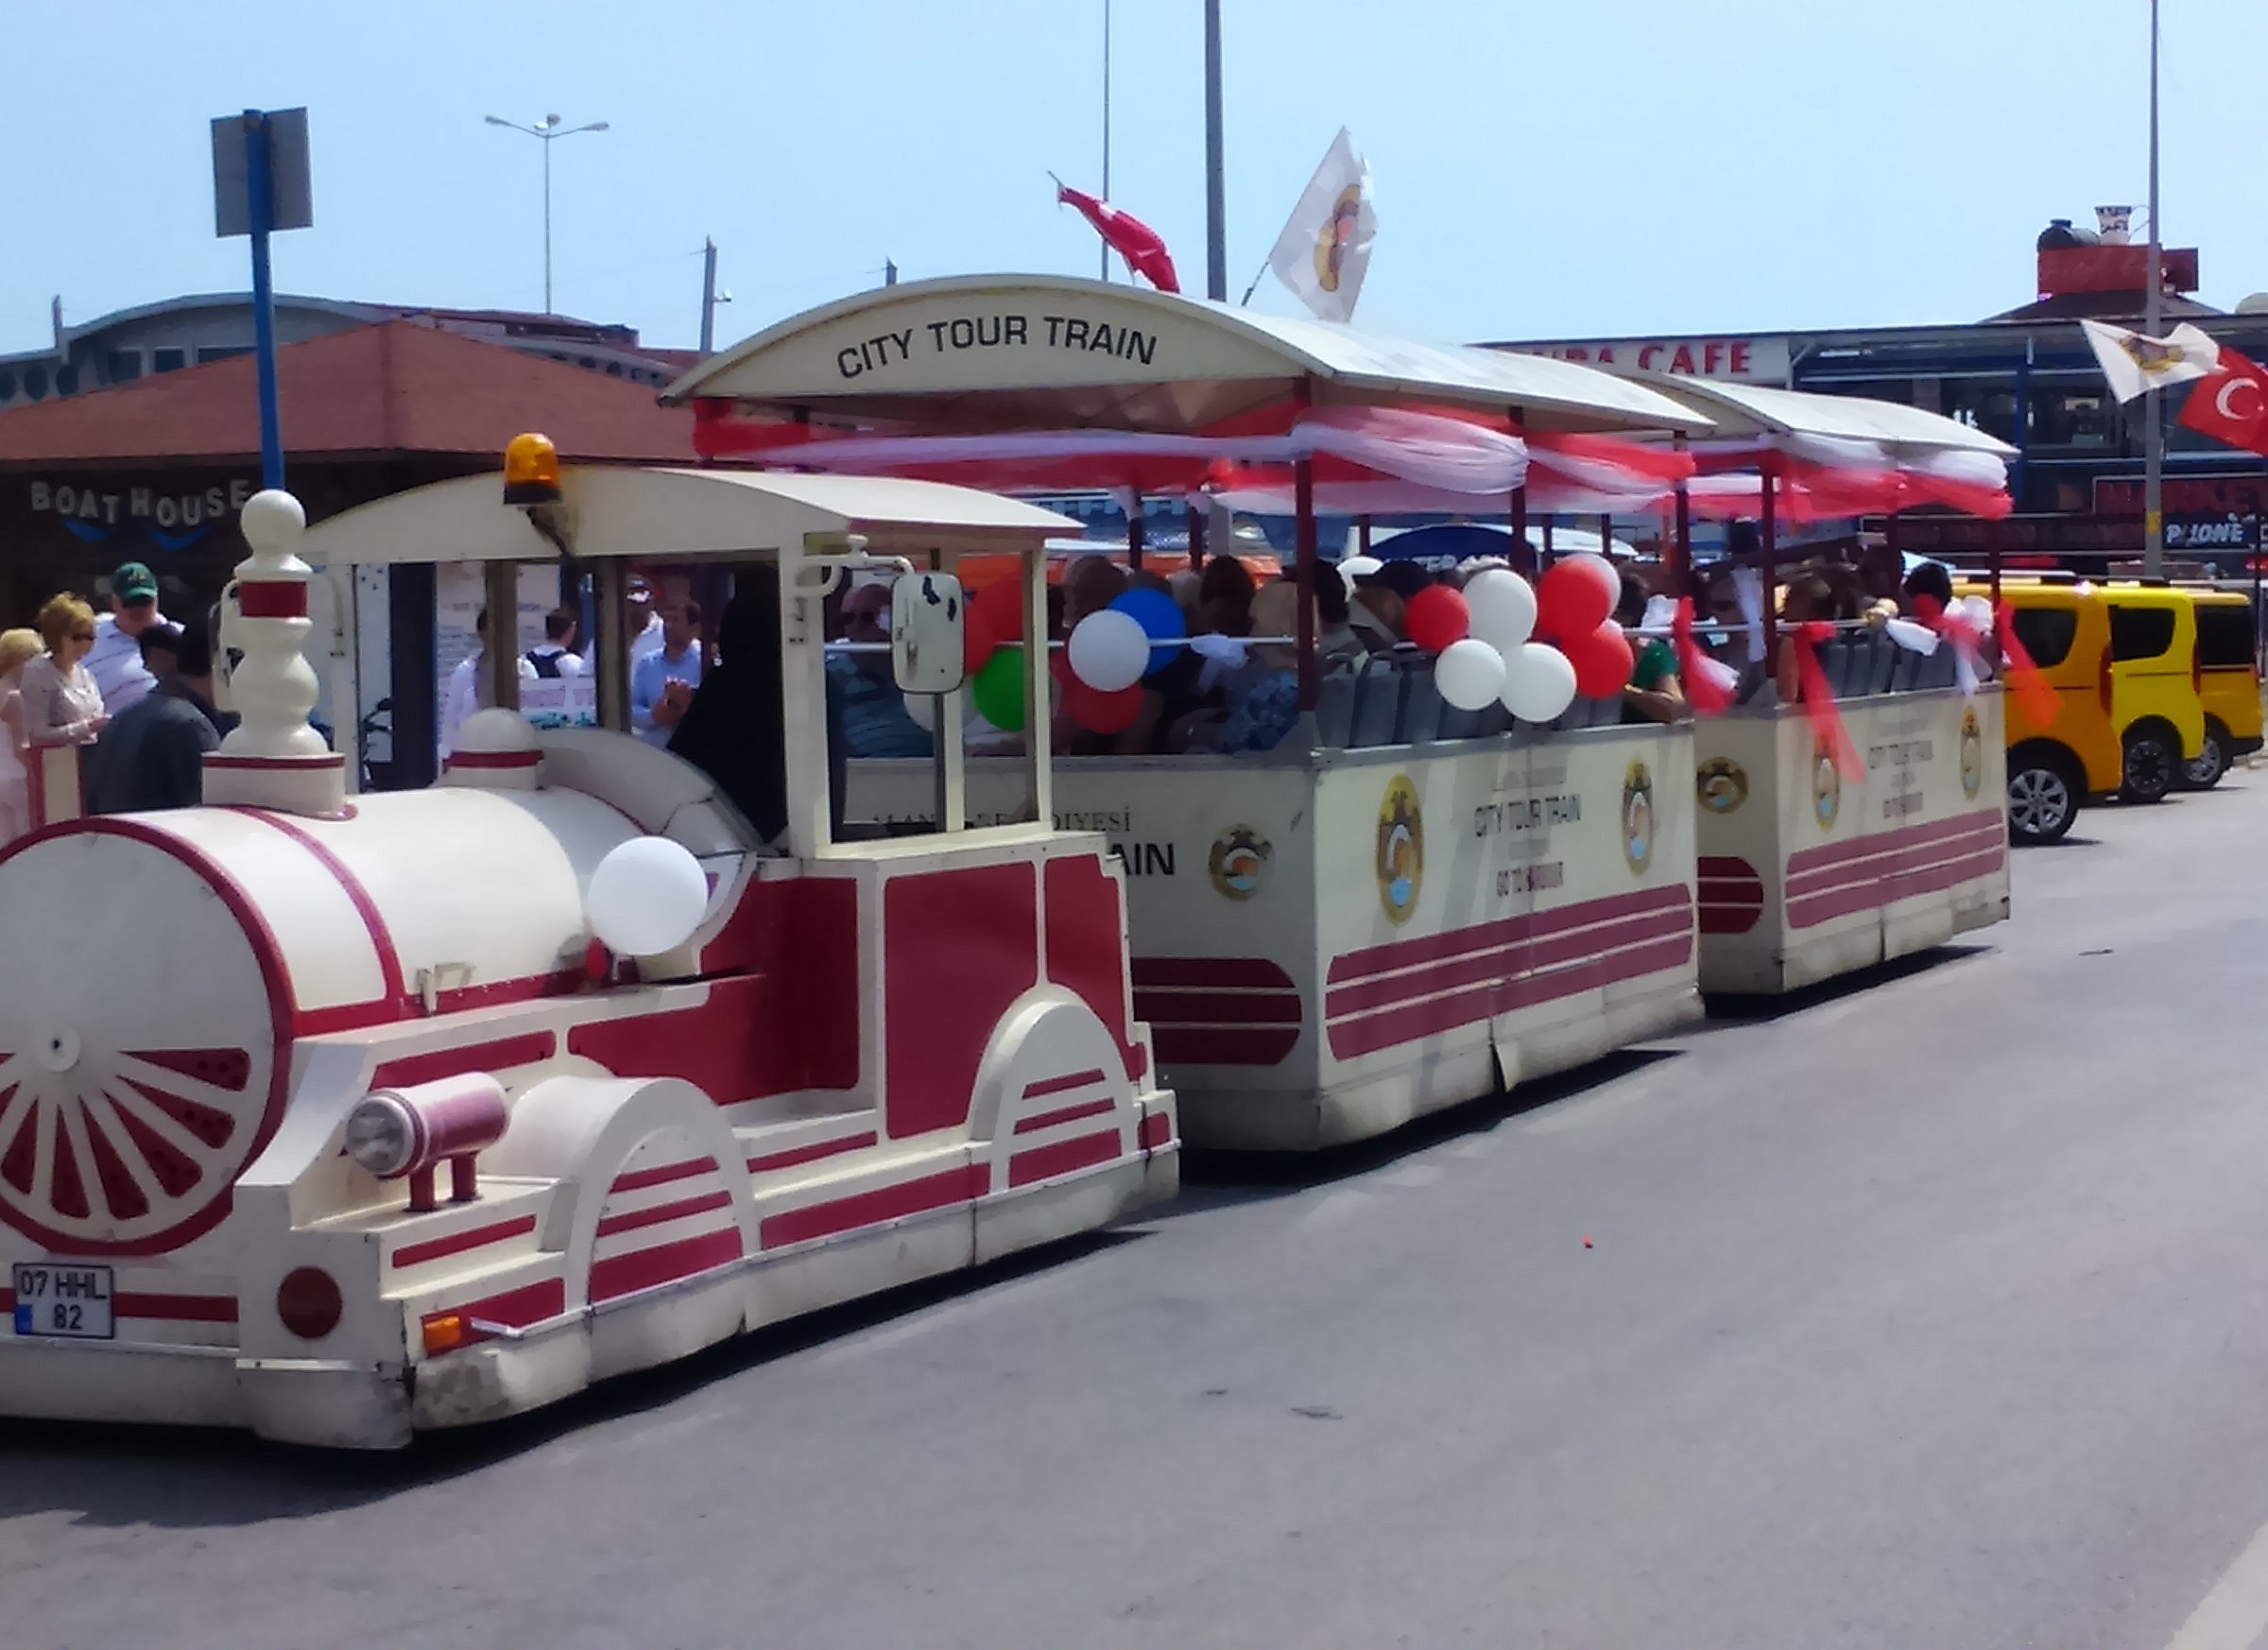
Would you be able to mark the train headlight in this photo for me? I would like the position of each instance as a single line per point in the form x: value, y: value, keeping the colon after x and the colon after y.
x: 382, y: 1136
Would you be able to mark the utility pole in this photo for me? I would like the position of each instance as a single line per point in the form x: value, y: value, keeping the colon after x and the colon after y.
x: 889, y: 272
x: 1216, y: 207
x: 1106, y: 246
x: 708, y: 296
x: 2154, y: 429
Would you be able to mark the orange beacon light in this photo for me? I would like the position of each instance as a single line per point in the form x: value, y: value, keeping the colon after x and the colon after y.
x: 531, y: 470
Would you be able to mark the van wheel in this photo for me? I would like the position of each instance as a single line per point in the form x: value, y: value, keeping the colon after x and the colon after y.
x: 2151, y: 765
x: 2043, y: 797
x: 2211, y: 764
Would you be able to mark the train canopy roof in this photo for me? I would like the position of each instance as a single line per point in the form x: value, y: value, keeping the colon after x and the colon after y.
x: 980, y: 353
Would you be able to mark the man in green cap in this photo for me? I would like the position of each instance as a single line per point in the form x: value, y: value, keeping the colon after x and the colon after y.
x: 115, y: 661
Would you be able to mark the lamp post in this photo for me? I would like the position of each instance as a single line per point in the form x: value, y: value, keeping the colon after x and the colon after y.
x: 549, y: 129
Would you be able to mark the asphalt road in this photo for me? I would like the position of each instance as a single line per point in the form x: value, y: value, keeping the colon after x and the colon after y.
x: 1928, y: 1314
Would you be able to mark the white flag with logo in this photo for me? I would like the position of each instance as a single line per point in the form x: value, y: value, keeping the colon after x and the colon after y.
x: 1325, y: 247
x: 2137, y: 364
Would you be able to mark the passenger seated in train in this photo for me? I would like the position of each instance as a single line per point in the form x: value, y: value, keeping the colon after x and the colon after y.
x: 1654, y: 692
x: 875, y: 719
x: 734, y: 730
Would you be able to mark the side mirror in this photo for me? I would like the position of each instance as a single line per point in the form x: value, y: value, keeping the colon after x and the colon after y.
x: 926, y: 616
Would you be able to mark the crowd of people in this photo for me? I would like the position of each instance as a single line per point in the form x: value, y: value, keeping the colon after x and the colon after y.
x: 130, y: 689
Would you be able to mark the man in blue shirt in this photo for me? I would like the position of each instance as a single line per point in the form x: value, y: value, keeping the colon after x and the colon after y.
x: 662, y: 681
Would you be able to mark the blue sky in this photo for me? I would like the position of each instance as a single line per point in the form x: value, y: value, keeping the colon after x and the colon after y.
x: 1544, y: 168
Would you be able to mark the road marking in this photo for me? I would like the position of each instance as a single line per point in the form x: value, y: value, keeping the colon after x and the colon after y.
x: 2235, y: 1611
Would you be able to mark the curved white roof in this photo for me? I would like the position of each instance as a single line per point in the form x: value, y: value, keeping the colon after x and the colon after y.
x: 1747, y: 409
x: 1050, y: 351
x: 671, y: 514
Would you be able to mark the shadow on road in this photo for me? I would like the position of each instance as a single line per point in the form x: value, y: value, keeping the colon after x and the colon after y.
x: 115, y: 1475
x: 1726, y: 1010
x: 1212, y: 1179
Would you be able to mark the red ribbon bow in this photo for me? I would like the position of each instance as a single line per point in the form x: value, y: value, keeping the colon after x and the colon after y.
x: 1704, y: 679
x: 1818, y: 699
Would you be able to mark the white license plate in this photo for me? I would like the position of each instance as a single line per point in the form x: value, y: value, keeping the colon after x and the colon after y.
x: 64, y: 1301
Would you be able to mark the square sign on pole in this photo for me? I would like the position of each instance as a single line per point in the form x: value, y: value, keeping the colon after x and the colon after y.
x: 290, y: 196
x: 260, y: 184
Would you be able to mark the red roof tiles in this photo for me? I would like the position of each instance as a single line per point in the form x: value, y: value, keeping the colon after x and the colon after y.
x: 399, y: 387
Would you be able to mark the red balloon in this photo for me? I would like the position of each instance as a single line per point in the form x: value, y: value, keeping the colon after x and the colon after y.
x: 1602, y: 662
x: 990, y: 619
x: 1574, y: 596
x: 1101, y: 713
x: 1437, y: 616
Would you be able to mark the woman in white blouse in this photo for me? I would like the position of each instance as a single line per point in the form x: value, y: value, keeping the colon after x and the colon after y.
x: 16, y: 649
x: 60, y: 703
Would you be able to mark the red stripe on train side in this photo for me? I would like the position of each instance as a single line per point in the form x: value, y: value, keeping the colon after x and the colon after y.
x: 1063, y: 1085
x: 1065, y: 1114
x: 810, y: 1154
x: 661, y: 1213
x: 639, y: 1178
x: 1506, y: 931
x: 1389, y: 1027
x: 908, y: 1198
x: 1064, y: 1157
x: 456, y: 1243
x: 1206, y: 1045
x: 623, y: 1274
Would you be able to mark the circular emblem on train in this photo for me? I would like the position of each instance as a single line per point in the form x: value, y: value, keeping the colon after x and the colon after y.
x: 1637, y: 816
x: 1973, y: 756
x: 1826, y: 787
x: 1721, y: 784
x: 1332, y: 239
x: 1401, y: 866
x: 1239, y: 862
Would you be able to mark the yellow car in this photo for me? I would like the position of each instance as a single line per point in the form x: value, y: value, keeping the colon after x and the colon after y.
x: 2121, y: 658
x: 2228, y: 680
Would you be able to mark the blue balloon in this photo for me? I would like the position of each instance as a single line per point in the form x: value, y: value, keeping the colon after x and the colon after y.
x: 1159, y: 617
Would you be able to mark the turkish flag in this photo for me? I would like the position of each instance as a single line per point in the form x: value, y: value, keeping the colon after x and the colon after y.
x: 2232, y: 404
x: 1135, y: 241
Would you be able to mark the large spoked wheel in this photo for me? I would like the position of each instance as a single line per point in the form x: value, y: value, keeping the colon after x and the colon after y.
x: 2209, y: 765
x: 2043, y: 800
x: 135, y: 1087
x: 2152, y: 765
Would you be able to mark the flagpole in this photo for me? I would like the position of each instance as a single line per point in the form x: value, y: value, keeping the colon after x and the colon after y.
x: 1106, y: 125
x: 2154, y: 429
x: 1216, y: 208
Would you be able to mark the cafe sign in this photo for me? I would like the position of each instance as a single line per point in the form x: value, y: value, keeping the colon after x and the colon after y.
x: 1742, y: 360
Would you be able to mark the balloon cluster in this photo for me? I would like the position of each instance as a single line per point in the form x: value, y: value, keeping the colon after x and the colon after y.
x: 1533, y: 648
x: 1102, y: 666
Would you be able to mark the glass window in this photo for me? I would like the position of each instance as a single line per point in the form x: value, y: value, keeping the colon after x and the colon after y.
x: 2224, y: 634
x: 122, y: 366
x: 1982, y: 403
x: 169, y: 360
x: 2084, y: 419
x: 8, y: 384
x: 2139, y: 632
x: 2047, y: 633
x: 222, y: 352
x: 35, y: 382
x: 66, y: 379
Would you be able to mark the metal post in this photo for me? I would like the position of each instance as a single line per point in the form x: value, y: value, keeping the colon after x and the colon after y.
x: 500, y: 648
x: 1545, y: 560
x: 1520, y: 527
x: 259, y: 185
x: 1607, y: 536
x: 1992, y: 559
x: 1106, y: 245
x: 1681, y: 542
x: 2153, y: 432
x: 1216, y: 206
x: 1133, y: 532
x: 1768, y: 535
x: 1362, y: 535
x: 708, y: 293
x: 889, y: 272
x: 1193, y: 516
x: 1303, y: 572
x: 547, y: 309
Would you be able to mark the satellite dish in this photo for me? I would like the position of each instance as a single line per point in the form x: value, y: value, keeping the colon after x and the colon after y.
x: 2255, y: 304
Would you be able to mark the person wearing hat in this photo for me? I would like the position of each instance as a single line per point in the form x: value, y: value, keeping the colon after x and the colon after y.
x: 640, y: 623
x: 116, y: 660
x: 153, y: 756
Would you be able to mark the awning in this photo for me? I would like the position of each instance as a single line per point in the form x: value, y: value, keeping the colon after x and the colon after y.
x: 1754, y: 409
x: 988, y: 353
x: 670, y: 514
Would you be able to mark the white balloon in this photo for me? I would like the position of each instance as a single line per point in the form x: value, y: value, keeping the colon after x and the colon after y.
x: 1469, y: 672
x: 1109, y: 651
x: 1503, y: 609
x: 1539, y: 682
x: 1977, y: 610
x: 922, y: 709
x: 646, y: 897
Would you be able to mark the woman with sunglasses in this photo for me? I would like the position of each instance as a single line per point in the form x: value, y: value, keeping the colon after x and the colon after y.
x: 61, y: 704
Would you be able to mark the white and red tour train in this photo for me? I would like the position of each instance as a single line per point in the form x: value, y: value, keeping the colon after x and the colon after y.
x: 341, y: 1116
x: 1404, y: 907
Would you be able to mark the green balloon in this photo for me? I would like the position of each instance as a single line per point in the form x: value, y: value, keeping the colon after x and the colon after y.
x: 999, y: 688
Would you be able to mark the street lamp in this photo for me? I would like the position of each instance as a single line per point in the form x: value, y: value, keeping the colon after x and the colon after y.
x: 547, y: 128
